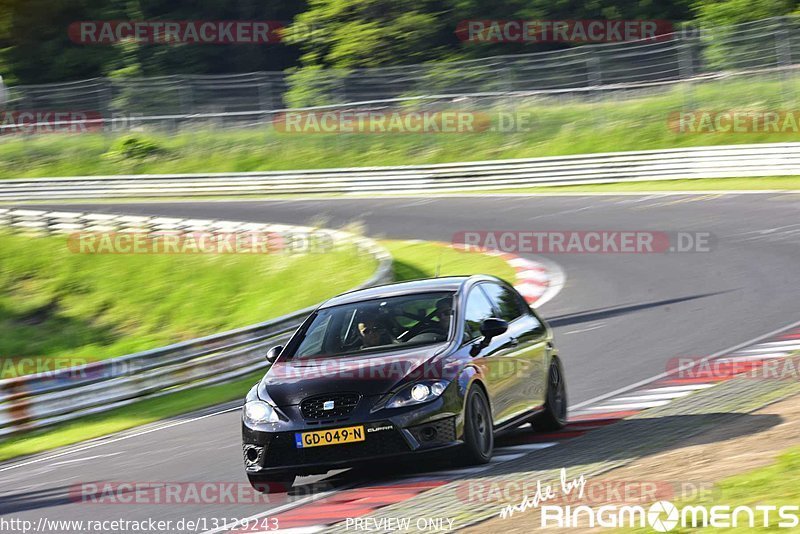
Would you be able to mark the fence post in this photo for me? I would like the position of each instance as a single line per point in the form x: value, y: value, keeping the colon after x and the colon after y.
x: 783, y: 57
x: 595, y: 78
x: 264, y: 97
x: 186, y: 98
x: 686, y: 70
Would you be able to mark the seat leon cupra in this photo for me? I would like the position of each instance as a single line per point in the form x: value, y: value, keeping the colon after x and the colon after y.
x: 400, y: 370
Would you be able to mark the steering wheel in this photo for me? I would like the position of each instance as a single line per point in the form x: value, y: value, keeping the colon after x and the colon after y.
x: 426, y: 321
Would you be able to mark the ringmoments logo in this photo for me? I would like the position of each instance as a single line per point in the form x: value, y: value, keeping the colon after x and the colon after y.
x: 661, y: 516
x: 664, y: 516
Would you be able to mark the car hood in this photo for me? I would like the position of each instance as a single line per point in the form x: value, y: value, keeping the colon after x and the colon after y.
x: 289, y: 382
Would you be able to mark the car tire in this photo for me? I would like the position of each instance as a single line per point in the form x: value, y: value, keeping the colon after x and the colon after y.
x: 554, y: 416
x: 478, y: 428
x: 271, y: 483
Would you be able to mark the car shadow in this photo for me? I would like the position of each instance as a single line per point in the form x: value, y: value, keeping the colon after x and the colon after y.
x: 34, y: 499
x: 614, y: 311
x: 622, y: 441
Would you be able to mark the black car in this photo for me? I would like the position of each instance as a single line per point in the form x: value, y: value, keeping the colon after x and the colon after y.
x: 403, y: 369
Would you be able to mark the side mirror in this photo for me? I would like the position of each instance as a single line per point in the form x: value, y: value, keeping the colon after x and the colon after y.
x: 273, y: 353
x: 492, y: 327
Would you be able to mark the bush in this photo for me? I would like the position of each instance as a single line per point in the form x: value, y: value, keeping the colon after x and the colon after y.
x: 133, y: 147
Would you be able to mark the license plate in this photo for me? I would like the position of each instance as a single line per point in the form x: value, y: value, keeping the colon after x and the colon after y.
x: 334, y: 436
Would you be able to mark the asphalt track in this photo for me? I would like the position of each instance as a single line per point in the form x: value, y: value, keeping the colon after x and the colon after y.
x: 619, y: 319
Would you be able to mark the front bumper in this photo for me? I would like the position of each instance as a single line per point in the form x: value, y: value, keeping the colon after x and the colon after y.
x: 409, y: 431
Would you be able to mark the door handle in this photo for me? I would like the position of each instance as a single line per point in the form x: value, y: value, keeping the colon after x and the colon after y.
x: 513, y: 341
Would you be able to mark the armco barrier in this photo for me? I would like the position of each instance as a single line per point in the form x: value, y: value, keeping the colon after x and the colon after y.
x: 773, y: 159
x: 36, y: 401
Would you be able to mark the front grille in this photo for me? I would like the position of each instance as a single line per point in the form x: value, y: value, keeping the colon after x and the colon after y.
x: 343, y: 404
x: 283, y: 451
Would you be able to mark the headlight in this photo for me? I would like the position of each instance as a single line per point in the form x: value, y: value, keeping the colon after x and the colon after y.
x: 260, y: 412
x: 418, y: 393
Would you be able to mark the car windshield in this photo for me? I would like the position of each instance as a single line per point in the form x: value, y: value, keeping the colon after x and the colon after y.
x: 378, y: 325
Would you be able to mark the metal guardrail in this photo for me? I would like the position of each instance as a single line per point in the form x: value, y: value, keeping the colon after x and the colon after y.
x: 36, y: 401
x: 774, y: 159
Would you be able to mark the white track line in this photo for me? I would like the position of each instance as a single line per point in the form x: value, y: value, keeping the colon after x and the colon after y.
x: 768, y: 349
x: 589, y: 329
x: 755, y: 357
x: 114, y: 440
x: 788, y: 344
x: 655, y: 396
x: 498, y: 459
x: 631, y: 406
x: 652, y: 379
x: 688, y: 387
x: 528, y: 446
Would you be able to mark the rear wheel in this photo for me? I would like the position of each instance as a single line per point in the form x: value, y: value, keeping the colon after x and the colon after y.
x: 478, y: 428
x: 554, y: 416
x: 271, y: 483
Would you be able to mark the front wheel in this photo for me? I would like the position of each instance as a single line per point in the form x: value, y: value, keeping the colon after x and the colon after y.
x: 271, y: 483
x: 478, y: 428
x: 554, y: 416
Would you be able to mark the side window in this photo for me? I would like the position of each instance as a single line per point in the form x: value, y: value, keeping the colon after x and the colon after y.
x: 478, y: 308
x: 505, y: 300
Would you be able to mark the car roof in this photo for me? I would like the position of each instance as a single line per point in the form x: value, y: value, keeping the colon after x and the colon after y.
x: 425, y: 285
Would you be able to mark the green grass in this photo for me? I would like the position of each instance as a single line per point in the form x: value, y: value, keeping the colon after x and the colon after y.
x: 412, y: 260
x: 68, y: 306
x: 569, y: 126
x: 774, y: 485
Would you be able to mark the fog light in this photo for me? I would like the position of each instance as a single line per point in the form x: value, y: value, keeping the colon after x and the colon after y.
x: 428, y: 433
x: 252, y: 454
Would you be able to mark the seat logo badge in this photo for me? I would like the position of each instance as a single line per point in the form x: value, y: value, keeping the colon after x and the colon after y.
x: 327, y: 405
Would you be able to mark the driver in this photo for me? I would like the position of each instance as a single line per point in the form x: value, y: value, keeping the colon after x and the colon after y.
x: 443, y: 312
x: 374, y: 333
